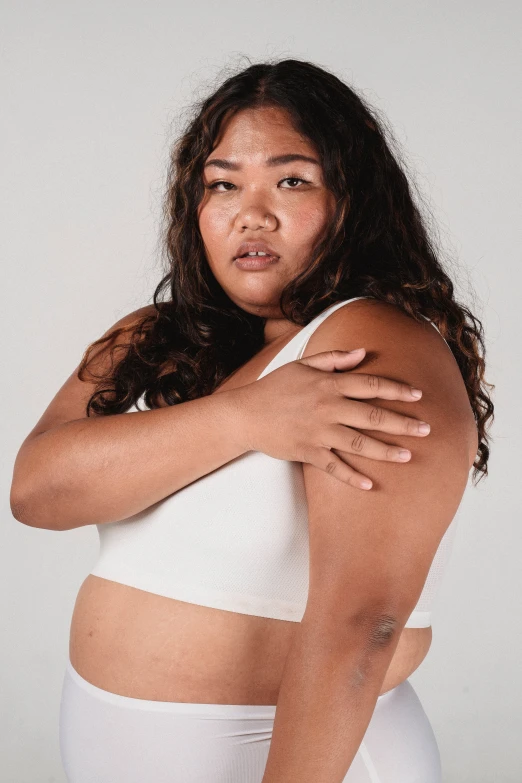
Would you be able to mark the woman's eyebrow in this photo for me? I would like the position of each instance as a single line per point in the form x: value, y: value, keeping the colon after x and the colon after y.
x: 276, y: 160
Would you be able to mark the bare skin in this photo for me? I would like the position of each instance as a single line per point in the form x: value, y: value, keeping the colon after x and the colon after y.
x: 147, y: 646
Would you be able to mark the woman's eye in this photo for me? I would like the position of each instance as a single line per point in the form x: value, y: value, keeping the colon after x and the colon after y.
x: 294, y: 179
x: 214, y: 185
x: 229, y: 185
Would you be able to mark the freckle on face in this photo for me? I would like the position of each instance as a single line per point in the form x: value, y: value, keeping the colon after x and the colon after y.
x: 260, y: 204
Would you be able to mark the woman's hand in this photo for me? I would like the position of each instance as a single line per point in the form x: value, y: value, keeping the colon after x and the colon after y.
x: 306, y: 412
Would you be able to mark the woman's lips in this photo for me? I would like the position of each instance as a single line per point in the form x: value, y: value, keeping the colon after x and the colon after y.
x: 252, y: 263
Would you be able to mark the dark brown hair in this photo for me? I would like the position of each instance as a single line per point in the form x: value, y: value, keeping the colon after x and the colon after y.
x: 377, y: 245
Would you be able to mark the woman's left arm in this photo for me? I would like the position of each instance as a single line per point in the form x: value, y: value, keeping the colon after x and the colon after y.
x: 370, y: 552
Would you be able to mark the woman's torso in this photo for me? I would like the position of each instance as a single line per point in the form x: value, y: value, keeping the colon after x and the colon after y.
x: 143, y: 645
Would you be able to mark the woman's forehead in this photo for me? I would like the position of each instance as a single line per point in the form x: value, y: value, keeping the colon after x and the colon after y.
x: 259, y: 131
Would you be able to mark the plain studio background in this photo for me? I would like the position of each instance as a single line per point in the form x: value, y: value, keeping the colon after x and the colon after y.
x: 91, y: 93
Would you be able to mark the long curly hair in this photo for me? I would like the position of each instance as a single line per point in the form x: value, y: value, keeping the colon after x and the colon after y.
x: 377, y: 244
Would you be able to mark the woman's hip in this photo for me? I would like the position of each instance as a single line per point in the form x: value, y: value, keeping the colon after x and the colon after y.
x: 106, y: 737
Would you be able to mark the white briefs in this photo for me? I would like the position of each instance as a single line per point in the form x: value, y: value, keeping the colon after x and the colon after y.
x: 107, y: 738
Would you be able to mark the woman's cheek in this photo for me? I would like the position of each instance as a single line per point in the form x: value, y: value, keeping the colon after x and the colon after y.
x: 307, y: 223
x: 213, y: 222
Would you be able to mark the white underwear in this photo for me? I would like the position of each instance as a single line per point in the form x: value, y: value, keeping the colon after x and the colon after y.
x: 107, y: 738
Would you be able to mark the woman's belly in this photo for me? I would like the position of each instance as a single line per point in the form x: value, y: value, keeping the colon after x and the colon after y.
x: 146, y: 646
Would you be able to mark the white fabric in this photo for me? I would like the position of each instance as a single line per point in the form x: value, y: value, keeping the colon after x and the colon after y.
x: 107, y: 738
x: 237, y: 538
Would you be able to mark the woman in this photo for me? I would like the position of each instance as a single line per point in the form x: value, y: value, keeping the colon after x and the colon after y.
x: 261, y: 545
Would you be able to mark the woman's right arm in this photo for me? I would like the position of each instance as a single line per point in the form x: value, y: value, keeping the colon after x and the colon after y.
x: 73, y: 470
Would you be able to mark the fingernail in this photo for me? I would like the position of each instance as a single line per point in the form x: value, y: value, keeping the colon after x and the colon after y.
x: 366, y: 484
x: 424, y: 428
x: 355, y: 350
x: 416, y: 393
x: 404, y: 454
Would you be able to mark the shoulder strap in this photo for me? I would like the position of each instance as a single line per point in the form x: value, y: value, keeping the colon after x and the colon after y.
x: 314, y: 323
x: 294, y: 348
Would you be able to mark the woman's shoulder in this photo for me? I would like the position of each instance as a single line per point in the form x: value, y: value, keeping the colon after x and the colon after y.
x: 401, y: 348
x: 382, y: 329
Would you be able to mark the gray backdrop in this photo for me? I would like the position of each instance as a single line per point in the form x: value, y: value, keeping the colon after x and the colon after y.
x: 89, y: 95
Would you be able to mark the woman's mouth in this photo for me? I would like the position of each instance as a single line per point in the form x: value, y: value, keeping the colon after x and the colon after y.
x: 255, y: 261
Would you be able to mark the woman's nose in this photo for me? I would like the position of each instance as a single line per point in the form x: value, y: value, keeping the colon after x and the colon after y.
x: 254, y: 211
x: 253, y: 216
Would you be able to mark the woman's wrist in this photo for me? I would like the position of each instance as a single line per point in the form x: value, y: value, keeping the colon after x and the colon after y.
x: 237, y: 419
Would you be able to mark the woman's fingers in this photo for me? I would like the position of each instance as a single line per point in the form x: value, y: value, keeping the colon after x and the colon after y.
x: 365, y: 416
x: 347, y: 441
x: 363, y: 386
x: 327, y: 460
x: 333, y: 460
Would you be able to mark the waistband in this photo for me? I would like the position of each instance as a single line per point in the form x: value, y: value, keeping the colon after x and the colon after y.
x: 179, y: 707
x: 257, y: 711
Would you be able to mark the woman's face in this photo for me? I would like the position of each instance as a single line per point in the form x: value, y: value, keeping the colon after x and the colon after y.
x: 259, y: 189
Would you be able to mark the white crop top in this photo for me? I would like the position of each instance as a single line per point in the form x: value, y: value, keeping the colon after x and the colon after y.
x: 236, y: 538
